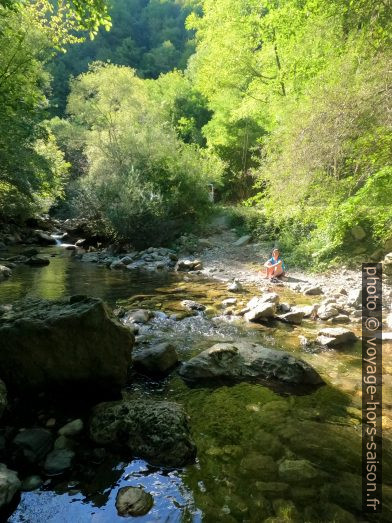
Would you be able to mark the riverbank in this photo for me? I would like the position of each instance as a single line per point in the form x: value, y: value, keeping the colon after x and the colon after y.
x: 249, y: 435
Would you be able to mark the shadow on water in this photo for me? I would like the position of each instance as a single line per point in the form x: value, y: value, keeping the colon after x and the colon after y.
x: 262, y: 455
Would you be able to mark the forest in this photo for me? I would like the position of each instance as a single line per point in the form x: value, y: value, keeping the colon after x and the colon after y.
x: 284, y: 107
x: 196, y: 261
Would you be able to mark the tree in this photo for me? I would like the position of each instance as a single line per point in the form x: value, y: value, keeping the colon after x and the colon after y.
x: 31, y: 168
x: 299, y: 93
x: 182, y: 105
x: 87, y: 15
x: 148, y: 35
x: 141, y: 177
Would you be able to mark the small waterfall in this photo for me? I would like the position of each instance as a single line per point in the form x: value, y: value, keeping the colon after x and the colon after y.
x: 58, y: 237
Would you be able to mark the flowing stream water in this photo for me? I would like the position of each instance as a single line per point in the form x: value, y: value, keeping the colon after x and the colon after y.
x: 242, y: 432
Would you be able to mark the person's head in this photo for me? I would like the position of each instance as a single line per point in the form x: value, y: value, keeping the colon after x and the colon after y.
x: 275, y: 254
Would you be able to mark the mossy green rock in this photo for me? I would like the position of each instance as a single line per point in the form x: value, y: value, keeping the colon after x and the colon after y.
x: 297, y: 471
x: 154, y: 430
x: 259, y: 466
x: 72, y: 341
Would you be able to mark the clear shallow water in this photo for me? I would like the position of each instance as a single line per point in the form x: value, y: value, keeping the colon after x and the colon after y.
x: 242, y: 432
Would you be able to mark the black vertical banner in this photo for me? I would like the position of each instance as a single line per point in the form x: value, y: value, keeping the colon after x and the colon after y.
x: 371, y: 388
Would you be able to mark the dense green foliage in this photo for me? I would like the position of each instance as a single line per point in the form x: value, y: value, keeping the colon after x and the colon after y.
x: 147, y: 35
x: 140, y: 176
x: 31, y: 167
x: 290, y: 99
x: 302, y: 88
x: 86, y: 15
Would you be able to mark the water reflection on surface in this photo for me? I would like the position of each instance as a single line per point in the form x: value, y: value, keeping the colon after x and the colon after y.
x: 65, y: 276
x: 53, y: 506
x: 243, y: 432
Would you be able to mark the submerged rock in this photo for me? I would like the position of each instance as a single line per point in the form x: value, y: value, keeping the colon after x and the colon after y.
x: 244, y: 360
x: 156, y: 359
x: 133, y: 501
x: 37, y: 261
x: 32, y: 445
x: 58, y: 461
x: 9, y: 485
x: 297, y: 471
x: 259, y: 466
x: 71, y: 341
x: 333, y: 336
x: 154, y: 430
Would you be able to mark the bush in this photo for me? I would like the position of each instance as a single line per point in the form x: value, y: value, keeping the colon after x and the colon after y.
x: 247, y: 220
x: 143, y: 183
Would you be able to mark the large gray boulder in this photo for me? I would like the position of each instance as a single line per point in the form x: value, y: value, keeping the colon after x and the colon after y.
x: 154, y: 430
x: 9, y: 485
x: 74, y: 341
x: 244, y: 360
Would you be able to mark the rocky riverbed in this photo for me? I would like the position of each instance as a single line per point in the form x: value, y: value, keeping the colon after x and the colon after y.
x: 275, y: 438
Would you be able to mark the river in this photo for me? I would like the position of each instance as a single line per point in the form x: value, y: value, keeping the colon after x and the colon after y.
x: 242, y: 432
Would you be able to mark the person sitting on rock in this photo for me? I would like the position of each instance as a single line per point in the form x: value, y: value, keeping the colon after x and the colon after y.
x: 275, y: 267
